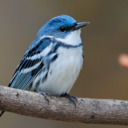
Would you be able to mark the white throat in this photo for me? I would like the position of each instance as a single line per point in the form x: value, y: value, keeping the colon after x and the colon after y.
x: 73, y: 38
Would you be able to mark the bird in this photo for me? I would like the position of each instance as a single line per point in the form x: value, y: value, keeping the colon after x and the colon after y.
x: 53, y: 61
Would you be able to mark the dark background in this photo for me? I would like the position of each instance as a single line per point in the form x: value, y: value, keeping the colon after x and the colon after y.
x: 104, y: 39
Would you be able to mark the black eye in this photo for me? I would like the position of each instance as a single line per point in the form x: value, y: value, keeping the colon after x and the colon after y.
x: 62, y: 28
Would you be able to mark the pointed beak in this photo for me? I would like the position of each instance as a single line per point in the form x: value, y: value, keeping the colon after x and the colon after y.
x: 80, y: 25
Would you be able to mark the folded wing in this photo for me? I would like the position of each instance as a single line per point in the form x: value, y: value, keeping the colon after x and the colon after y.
x: 31, y: 64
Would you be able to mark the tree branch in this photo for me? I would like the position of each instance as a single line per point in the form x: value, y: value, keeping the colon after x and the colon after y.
x: 86, y: 111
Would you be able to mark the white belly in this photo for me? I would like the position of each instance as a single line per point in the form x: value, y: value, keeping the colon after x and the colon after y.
x: 63, y: 71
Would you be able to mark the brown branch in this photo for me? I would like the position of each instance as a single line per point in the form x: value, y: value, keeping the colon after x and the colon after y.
x: 87, y: 110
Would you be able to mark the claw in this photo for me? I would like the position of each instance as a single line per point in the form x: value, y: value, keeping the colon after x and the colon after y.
x: 45, y: 94
x: 71, y: 98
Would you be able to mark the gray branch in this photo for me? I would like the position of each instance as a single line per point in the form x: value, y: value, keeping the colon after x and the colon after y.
x: 93, y: 111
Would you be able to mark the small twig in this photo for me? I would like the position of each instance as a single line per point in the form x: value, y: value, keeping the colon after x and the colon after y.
x: 86, y: 111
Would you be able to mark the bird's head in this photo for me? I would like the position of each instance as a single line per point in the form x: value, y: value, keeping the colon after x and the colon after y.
x: 62, y: 27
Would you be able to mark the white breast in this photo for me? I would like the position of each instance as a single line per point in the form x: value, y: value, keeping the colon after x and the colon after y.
x: 64, y: 71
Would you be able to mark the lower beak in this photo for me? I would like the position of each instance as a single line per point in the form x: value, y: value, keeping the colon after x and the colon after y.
x: 80, y: 25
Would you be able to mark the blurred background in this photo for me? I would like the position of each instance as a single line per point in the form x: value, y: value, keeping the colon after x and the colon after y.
x: 104, y: 40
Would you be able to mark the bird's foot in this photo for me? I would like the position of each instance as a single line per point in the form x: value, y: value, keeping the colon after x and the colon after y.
x: 45, y: 94
x: 71, y: 98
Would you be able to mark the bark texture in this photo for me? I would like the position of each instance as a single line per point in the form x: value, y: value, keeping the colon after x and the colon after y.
x: 98, y: 111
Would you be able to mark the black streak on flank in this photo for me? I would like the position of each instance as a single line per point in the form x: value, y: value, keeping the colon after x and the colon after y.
x: 35, y: 71
x: 45, y: 77
x: 37, y: 83
x: 54, y: 58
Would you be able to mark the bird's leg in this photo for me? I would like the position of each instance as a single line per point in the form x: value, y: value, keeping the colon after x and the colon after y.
x: 71, y: 98
x: 45, y: 94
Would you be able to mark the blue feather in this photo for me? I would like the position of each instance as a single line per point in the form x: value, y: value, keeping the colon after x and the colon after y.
x: 21, y: 78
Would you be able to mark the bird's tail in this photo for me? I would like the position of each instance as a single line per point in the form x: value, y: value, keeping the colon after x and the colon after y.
x: 2, y: 113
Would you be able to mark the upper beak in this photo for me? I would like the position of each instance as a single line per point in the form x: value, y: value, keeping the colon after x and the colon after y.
x: 80, y: 25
